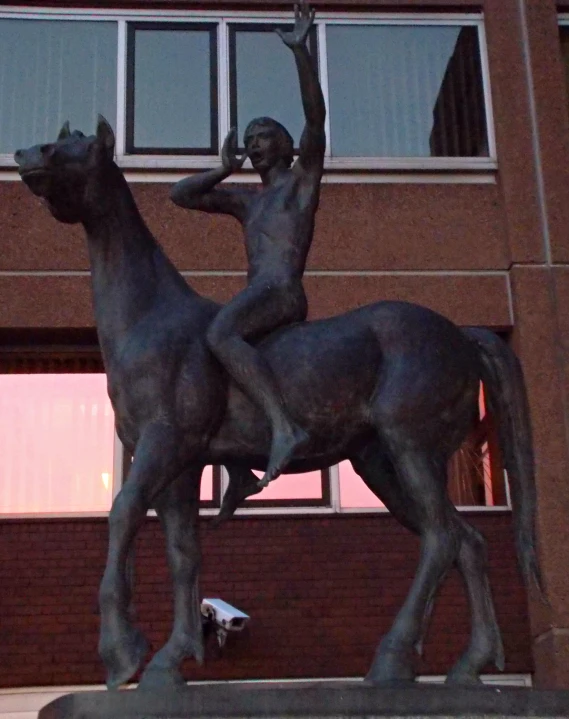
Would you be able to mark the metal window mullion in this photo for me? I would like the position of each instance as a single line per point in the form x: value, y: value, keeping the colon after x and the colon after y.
x: 323, y: 69
x: 223, y: 89
x: 120, y: 131
x: 118, y: 464
x: 223, y: 481
x: 489, y: 112
x: 334, y: 475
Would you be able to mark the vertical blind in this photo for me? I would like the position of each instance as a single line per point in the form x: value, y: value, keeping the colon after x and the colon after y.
x: 57, y: 443
x: 51, y: 72
x: 405, y: 91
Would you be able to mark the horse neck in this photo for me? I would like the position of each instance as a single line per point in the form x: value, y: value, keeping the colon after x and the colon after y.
x: 129, y: 271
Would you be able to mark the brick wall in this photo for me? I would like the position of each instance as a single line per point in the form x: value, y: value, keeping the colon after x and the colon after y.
x: 320, y: 592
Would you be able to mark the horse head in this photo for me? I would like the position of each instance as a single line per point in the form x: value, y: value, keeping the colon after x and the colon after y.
x: 70, y: 174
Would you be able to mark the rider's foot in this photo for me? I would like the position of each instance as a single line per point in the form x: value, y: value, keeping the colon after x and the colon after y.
x: 235, y: 493
x: 285, y: 444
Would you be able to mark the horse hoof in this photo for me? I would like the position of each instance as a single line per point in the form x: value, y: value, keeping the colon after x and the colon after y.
x: 156, y: 679
x: 391, y: 668
x: 463, y: 679
x: 123, y: 663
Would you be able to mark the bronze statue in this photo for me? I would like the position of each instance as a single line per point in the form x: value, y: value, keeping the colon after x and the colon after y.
x: 391, y: 386
x: 278, y: 223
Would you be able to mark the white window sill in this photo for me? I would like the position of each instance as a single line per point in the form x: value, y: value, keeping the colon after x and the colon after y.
x: 429, y: 170
x: 192, y: 163
x: 248, y: 512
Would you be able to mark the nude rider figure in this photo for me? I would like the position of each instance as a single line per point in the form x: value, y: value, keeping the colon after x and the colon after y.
x: 278, y: 225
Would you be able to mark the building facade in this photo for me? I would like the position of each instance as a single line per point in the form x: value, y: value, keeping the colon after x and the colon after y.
x: 446, y: 184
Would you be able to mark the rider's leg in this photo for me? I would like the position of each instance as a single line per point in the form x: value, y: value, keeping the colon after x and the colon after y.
x: 252, y: 313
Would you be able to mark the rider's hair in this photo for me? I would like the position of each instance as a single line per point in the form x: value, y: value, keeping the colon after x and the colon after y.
x: 286, y: 143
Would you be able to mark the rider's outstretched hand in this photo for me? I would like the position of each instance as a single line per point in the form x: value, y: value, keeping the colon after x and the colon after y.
x: 229, y: 158
x: 303, y: 19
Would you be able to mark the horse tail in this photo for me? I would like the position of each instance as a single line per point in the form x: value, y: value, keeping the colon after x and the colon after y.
x: 503, y: 380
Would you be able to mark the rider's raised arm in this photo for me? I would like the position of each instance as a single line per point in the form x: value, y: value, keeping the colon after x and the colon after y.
x: 313, y: 140
x: 199, y: 192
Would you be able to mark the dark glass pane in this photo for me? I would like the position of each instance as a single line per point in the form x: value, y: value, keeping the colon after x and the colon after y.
x: 405, y: 91
x: 266, y: 82
x: 564, y: 39
x: 52, y: 71
x: 476, y: 474
x: 291, y: 487
x: 172, y: 89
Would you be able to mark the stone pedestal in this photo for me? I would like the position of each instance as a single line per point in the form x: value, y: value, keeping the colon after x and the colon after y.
x: 309, y: 701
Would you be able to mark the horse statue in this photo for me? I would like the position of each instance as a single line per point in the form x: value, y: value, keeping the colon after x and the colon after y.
x: 391, y: 386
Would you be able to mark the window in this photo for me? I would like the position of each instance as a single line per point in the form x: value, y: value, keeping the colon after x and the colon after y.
x: 476, y: 476
x: 53, y: 71
x: 405, y: 91
x: 57, y: 437
x: 60, y: 453
x: 172, y: 66
x: 401, y: 90
x: 262, y: 75
x: 310, y: 489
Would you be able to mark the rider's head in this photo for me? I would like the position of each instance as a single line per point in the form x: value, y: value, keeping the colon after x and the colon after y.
x: 267, y: 142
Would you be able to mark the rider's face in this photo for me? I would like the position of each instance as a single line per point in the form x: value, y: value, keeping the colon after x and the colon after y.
x: 263, y: 147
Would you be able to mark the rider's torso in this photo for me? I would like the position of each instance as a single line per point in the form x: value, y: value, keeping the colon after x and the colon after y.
x: 279, y: 225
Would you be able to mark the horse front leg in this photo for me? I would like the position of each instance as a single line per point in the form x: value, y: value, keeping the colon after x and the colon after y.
x: 178, y: 510
x: 157, y: 462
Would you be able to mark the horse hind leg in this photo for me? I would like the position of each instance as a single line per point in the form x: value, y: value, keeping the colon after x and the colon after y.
x: 421, y: 479
x: 177, y: 508
x: 485, y: 644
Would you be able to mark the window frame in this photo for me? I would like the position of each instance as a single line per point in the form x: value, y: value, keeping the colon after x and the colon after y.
x: 130, y: 89
x: 20, y: 347
x: 232, y: 29
x: 163, y: 161
x: 15, y: 359
x: 25, y: 358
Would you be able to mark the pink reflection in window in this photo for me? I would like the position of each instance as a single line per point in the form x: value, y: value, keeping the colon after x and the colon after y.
x: 353, y: 492
x: 206, y: 488
x: 56, y: 443
x: 292, y: 486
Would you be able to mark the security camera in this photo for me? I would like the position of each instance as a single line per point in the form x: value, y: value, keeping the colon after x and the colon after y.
x: 224, y: 615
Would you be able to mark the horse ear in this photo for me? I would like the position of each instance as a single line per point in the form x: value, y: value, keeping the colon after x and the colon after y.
x: 105, y: 137
x: 64, y: 132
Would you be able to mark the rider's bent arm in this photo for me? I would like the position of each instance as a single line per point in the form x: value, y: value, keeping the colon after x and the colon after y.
x: 313, y: 140
x: 198, y: 192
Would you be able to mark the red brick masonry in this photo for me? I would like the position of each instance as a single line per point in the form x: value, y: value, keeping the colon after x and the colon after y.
x: 320, y: 592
